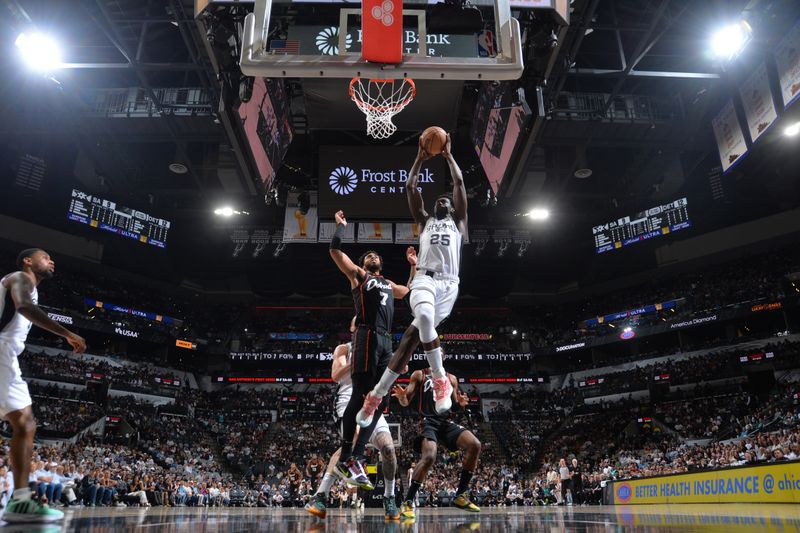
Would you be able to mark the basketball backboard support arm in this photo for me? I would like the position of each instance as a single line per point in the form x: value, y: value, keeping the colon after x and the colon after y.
x: 257, y: 61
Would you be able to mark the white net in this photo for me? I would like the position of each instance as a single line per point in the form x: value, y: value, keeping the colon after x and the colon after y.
x: 380, y: 100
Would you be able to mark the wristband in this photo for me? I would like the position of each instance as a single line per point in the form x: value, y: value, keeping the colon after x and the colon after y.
x: 336, y: 241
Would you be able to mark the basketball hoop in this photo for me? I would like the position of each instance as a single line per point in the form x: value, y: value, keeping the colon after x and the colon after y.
x: 380, y: 100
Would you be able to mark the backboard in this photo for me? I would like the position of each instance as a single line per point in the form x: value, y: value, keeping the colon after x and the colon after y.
x: 257, y: 60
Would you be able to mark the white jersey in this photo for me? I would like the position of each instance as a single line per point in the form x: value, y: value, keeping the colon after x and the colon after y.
x: 345, y: 390
x: 440, y: 247
x: 14, y: 327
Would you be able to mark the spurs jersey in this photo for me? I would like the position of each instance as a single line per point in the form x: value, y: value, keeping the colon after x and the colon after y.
x: 374, y: 303
x: 440, y: 246
x: 345, y: 390
x: 14, y: 327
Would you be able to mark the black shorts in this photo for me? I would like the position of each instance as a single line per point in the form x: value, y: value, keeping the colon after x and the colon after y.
x: 372, y: 352
x: 440, y: 430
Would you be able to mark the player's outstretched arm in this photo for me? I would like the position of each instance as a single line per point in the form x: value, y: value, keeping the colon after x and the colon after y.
x: 340, y: 367
x: 403, y: 394
x: 353, y: 272
x: 415, y: 202
x: 20, y: 287
x: 459, y: 191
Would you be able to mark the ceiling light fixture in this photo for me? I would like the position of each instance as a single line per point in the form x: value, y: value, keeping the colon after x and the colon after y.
x: 39, y: 51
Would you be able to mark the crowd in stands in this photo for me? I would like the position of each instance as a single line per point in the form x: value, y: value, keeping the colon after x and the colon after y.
x: 67, y: 368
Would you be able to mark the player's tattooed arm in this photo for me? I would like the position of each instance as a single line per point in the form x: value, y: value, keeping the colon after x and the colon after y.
x: 20, y: 287
x: 353, y: 272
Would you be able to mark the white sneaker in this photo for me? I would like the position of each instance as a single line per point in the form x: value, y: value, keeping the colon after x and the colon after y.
x: 442, y: 391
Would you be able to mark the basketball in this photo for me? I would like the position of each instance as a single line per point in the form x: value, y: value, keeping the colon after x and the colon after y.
x: 433, y: 140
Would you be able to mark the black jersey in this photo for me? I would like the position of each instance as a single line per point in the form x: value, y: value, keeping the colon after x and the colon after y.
x: 374, y: 302
x: 426, y: 404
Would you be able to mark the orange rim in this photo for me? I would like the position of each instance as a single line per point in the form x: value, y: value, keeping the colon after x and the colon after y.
x: 397, y: 106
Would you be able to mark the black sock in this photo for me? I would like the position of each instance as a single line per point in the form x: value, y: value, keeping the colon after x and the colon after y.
x: 463, y: 482
x: 412, y: 490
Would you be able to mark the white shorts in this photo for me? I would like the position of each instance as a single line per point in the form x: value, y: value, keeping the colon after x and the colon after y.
x: 444, y: 290
x: 381, y: 427
x: 13, y: 389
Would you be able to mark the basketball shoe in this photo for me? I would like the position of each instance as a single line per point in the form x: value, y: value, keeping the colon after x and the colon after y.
x: 442, y: 391
x: 462, y: 502
x: 371, y: 403
x: 352, y: 472
x: 317, y: 506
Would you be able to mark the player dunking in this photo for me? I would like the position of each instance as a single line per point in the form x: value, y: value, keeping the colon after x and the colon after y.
x: 373, y: 296
x: 435, y: 287
x: 18, y: 310
x: 438, y: 429
x: 381, y: 437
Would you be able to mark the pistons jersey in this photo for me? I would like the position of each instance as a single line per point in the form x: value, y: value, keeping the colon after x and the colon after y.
x: 374, y: 303
x: 440, y: 246
x: 423, y: 397
x: 14, y: 327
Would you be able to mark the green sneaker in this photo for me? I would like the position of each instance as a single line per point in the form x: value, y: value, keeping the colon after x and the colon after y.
x: 30, y: 511
x: 462, y: 502
x: 317, y: 507
x: 407, y: 511
x: 390, y: 510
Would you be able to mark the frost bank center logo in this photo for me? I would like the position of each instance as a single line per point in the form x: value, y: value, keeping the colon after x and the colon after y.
x: 344, y: 180
x: 327, y: 40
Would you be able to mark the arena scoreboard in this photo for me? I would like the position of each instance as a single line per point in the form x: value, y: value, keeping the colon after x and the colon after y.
x: 650, y: 223
x: 107, y: 215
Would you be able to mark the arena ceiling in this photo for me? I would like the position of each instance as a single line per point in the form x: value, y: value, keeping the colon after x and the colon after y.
x: 616, y: 54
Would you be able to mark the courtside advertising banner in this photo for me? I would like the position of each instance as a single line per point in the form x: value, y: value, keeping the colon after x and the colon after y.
x: 769, y: 483
x: 730, y: 137
x: 406, y: 233
x: 757, y: 101
x: 375, y: 232
x: 787, y: 58
x: 369, y: 183
x: 297, y: 225
x: 327, y: 229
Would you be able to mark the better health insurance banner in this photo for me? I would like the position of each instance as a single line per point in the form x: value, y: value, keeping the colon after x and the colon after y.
x: 769, y: 483
x: 730, y: 137
x: 787, y: 58
x: 757, y: 102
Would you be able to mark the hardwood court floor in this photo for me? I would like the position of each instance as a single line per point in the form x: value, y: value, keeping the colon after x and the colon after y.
x: 645, y: 518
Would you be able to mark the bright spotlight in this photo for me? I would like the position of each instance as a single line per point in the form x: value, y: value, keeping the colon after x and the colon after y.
x: 538, y: 213
x: 39, y: 51
x: 793, y: 130
x: 224, y: 211
x: 730, y: 40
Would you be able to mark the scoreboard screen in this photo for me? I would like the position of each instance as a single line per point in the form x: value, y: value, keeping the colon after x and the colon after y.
x: 107, y: 215
x: 647, y: 224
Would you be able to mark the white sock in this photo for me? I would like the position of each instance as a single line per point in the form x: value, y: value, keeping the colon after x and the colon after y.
x: 435, y: 360
x: 387, y: 380
x: 388, y: 491
x: 22, y: 494
x: 327, y: 483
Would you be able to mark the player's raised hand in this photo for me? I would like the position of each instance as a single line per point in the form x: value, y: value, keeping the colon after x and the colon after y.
x: 339, y: 216
x: 399, y: 392
x: 446, y: 147
x: 411, y: 256
x: 77, y: 342
x: 422, y: 155
x: 463, y: 399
